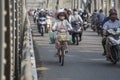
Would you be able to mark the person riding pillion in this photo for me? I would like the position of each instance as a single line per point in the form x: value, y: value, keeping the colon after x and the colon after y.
x: 59, y: 25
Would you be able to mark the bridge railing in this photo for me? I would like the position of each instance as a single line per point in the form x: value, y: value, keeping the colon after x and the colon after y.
x: 28, y: 66
x: 13, y: 22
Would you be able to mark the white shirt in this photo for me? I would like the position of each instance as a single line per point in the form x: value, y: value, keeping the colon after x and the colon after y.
x: 73, y: 18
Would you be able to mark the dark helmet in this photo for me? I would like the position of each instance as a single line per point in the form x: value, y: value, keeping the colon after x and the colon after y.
x: 95, y: 10
x: 112, y: 11
x: 100, y: 10
x: 74, y: 9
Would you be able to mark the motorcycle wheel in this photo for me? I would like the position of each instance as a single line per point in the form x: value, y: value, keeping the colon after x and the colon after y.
x: 42, y: 32
x: 114, y: 55
x: 46, y: 30
x: 84, y: 28
x: 77, y: 40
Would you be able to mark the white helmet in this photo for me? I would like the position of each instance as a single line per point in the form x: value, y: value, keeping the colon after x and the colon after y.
x: 42, y: 10
x: 61, y: 10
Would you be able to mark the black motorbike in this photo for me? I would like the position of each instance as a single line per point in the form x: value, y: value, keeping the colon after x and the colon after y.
x: 85, y: 24
x: 99, y: 29
x: 76, y: 32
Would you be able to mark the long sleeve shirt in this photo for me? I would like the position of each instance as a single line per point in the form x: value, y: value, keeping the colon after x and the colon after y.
x: 59, y: 25
x: 110, y: 25
x: 62, y: 24
x: 75, y: 18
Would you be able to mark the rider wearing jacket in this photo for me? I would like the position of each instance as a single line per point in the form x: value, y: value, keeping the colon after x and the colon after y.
x: 110, y: 24
x: 94, y: 19
x: 85, y: 15
x: 42, y: 13
x: 61, y: 23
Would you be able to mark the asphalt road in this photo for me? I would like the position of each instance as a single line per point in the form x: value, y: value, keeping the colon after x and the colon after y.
x: 84, y: 62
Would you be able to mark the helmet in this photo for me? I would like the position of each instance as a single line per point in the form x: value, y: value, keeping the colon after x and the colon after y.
x: 112, y: 11
x: 42, y: 10
x: 61, y: 12
x: 95, y: 10
x: 100, y: 10
x: 80, y: 9
x: 74, y: 9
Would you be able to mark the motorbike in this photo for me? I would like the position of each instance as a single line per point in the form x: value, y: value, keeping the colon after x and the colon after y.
x: 85, y: 25
x: 42, y: 25
x: 48, y: 24
x: 99, y: 29
x: 93, y: 25
x: 77, y: 31
x: 114, y: 45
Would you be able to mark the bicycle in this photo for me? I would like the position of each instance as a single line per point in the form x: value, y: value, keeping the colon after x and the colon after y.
x: 62, y: 38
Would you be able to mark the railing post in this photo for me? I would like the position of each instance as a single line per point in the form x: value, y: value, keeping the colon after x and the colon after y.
x: 9, y: 51
x: 2, y: 39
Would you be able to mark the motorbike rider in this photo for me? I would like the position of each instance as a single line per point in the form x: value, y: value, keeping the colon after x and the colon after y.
x: 69, y: 13
x: 60, y: 24
x: 80, y: 11
x: 108, y: 18
x: 93, y: 19
x: 34, y: 16
x: 100, y: 18
x: 72, y: 19
x: 112, y: 23
x: 41, y: 14
x: 85, y: 15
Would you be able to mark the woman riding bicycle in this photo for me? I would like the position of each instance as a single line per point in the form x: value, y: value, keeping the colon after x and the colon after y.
x: 61, y: 24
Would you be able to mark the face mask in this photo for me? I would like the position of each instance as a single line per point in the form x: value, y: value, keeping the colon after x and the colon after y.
x: 75, y: 12
x: 113, y: 18
x: 62, y: 17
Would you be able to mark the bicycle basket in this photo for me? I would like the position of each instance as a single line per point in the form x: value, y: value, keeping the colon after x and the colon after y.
x: 62, y: 37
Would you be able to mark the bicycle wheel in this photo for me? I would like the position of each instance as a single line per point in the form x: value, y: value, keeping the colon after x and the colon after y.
x: 59, y: 58
x: 62, y: 56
